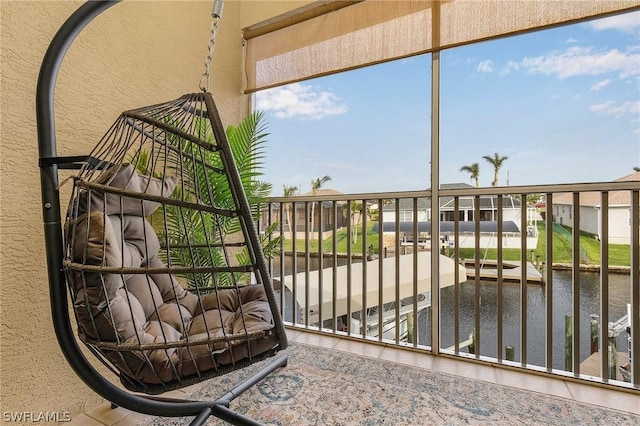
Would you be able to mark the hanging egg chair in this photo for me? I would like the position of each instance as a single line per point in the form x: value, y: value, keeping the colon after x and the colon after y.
x: 159, y: 252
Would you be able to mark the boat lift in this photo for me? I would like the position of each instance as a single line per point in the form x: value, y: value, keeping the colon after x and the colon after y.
x: 317, y: 295
x: 615, y: 329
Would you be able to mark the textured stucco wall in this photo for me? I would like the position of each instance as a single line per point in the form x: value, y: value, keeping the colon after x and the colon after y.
x: 134, y: 54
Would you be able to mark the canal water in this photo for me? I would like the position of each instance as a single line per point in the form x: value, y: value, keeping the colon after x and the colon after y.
x: 619, y: 296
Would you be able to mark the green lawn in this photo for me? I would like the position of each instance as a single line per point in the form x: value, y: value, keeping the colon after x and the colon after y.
x: 507, y: 253
x: 619, y: 255
x: 341, y: 241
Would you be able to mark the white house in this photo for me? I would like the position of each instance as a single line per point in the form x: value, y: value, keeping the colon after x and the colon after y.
x: 466, y: 209
x: 591, y: 212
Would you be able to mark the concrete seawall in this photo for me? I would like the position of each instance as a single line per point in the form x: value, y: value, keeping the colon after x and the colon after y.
x: 593, y: 268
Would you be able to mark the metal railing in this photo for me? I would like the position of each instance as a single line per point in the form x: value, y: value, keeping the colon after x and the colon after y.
x: 359, y: 266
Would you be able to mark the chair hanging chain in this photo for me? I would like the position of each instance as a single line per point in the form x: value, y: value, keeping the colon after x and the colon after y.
x: 216, y: 14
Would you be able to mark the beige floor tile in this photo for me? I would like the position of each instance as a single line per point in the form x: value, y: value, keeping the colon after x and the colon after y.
x: 412, y: 358
x: 174, y: 394
x: 532, y: 382
x: 359, y: 348
x: 84, y: 420
x: 316, y: 339
x: 292, y: 334
x: 464, y: 369
x: 107, y: 415
x: 133, y: 419
x: 616, y: 400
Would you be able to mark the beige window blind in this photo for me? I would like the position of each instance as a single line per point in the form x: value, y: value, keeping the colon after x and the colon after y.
x: 323, y: 39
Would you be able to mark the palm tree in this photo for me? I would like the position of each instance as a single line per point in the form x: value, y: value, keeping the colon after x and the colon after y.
x: 496, y: 161
x: 289, y: 191
x: 473, y: 170
x: 316, y: 184
x: 356, y: 217
x: 197, y: 231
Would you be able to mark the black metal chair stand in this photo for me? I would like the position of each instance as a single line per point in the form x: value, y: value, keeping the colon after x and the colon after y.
x: 117, y: 353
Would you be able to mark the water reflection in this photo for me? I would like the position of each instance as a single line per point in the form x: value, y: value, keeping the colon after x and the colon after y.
x: 619, y: 296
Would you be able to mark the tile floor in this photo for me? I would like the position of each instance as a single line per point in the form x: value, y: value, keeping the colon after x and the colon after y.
x: 104, y: 415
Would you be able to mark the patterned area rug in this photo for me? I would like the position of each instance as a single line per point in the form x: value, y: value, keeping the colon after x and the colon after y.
x: 326, y: 387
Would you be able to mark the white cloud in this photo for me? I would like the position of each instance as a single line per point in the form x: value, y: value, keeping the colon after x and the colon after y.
x: 627, y: 22
x: 577, y: 61
x: 511, y: 66
x: 600, y: 107
x: 617, y: 110
x: 485, y: 66
x: 299, y: 100
x: 627, y: 108
x: 601, y: 84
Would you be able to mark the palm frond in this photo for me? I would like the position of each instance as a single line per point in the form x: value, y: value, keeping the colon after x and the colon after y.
x: 194, y: 233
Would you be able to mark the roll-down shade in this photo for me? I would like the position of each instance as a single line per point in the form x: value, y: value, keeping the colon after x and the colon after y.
x: 362, y: 33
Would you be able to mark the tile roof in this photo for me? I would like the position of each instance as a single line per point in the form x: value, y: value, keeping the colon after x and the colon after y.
x: 622, y: 198
x: 446, y: 203
x: 320, y: 191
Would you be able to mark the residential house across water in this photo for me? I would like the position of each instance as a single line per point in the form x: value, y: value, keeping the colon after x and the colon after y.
x: 619, y: 212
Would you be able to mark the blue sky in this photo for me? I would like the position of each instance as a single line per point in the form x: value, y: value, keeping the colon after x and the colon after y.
x: 562, y: 104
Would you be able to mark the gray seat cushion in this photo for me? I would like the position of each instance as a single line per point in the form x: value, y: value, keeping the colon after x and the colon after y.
x: 133, y: 307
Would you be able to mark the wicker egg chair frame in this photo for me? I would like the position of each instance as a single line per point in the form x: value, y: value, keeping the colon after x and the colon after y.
x: 60, y: 266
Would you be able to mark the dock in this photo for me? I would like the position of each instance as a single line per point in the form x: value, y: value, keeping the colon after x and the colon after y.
x: 511, y: 270
x: 591, y: 365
